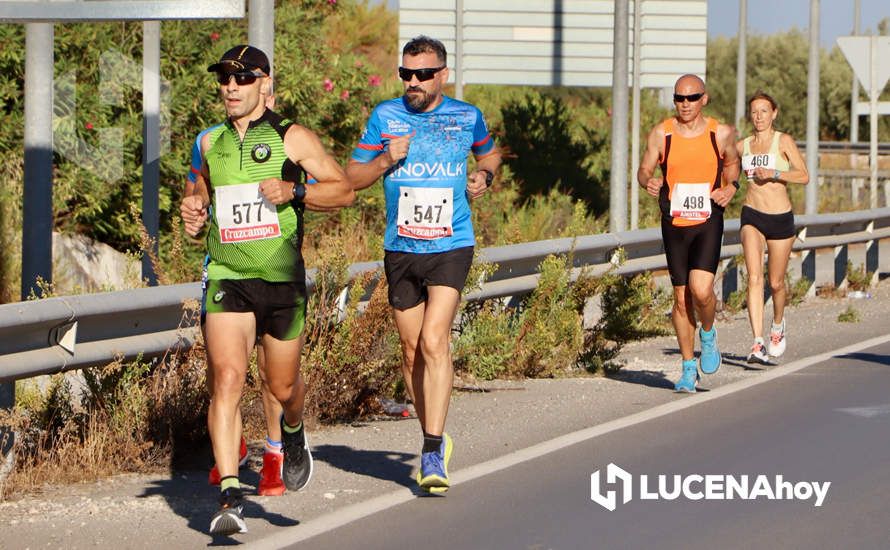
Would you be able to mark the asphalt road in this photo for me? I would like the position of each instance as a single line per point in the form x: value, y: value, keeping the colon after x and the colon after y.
x: 829, y: 422
x: 503, y: 500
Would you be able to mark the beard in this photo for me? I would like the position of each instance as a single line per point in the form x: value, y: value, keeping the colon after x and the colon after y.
x: 419, y: 101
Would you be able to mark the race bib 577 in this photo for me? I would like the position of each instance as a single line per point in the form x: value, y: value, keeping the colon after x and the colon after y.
x: 243, y: 214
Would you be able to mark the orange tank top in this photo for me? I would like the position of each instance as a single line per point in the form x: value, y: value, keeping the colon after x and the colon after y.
x: 689, y: 160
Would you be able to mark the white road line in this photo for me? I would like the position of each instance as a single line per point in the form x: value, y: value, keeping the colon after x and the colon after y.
x: 291, y: 535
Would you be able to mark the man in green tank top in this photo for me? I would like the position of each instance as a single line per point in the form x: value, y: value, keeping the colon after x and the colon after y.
x: 251, y: 176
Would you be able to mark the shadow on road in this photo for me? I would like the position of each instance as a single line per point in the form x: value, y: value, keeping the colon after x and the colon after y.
x: 189, y: 496
x: 651, y: 378
x: 733, y: 360
x: 870, y: 357
x: 386, y: 465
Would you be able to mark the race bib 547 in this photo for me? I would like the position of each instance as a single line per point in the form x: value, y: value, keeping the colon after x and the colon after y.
x: 425, y: 212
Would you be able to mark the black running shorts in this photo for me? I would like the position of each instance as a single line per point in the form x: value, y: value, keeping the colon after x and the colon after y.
x: 771, y: 226
x: 692, y: 247
x: 279, y: 308
x: 408, y: 274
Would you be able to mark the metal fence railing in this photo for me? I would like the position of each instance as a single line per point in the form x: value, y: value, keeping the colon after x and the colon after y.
x: 72, y: 332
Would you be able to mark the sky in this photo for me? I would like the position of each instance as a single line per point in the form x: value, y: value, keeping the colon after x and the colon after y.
x: 836, y: 16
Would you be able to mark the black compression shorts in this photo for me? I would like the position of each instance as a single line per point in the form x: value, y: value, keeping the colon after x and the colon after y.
x: 692, y: 247
x: 772, y: 226
x: 279, y: 308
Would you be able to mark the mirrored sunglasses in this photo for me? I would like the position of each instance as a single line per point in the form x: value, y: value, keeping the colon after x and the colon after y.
x: 422, y: 74
x: 691, y: 98
x: 241, y: 79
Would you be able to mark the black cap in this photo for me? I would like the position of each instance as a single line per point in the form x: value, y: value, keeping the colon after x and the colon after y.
x: 241, y: 58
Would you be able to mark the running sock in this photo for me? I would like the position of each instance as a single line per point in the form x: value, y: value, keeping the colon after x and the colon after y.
x: 229, y: 482
x: 272, y: 446
x: 291, y: 429
x: 778, y: 327
x: 431, y: 443
x: 759, y: 340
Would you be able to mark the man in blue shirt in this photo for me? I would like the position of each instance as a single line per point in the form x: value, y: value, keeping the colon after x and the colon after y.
x: 420, y: 143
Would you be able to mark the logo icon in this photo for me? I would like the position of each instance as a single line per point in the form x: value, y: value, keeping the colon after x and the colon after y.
x: 217, y: 298
x: 260, y: 152
x: 613, y: 474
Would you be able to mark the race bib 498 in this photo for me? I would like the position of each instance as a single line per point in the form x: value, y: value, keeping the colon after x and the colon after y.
x: 691, y: 201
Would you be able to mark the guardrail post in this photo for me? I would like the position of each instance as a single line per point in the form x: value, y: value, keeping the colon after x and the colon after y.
x: 872, y: 255
x: 730, y: 281
x: 840, y: 265
x: 7, y: 435
x: 855, y: 185
x: 808, y: 269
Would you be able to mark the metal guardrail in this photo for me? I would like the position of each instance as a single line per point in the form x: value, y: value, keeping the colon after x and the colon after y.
x: 66, y: 333
x: 861, y: 147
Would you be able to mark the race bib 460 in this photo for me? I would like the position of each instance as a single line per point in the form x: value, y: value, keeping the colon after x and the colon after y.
x: 243, y: 214
x: 750, y: 162
x: 425, y: 212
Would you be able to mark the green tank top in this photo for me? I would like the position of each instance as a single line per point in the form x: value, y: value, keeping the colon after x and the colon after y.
x: 245, y: 240
x: 781, y: 162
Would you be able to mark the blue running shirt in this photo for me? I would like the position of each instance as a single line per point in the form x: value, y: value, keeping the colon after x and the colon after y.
x: 427, y: 206
x: 197, y: 158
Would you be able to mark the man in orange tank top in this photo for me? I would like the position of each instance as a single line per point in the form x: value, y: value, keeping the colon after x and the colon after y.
x: 699, y: 175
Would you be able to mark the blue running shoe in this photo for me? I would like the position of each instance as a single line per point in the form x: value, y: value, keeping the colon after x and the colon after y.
x: 686, y: 383
x: 710, y: 355
x: 433, y: 474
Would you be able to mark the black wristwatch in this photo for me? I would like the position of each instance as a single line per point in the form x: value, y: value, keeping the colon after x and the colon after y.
x: 299, y: 191
x: 489, y: 177
x: 735, y: 183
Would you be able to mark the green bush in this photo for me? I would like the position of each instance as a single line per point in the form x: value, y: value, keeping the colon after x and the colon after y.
x: 486, y: 343
x: 544, y: 155
x: 849, y: 315
x: 858, y: 278
x: 633, y: 308
x: 550, y: 331
x: 797, y: 290
x: 351, y: 358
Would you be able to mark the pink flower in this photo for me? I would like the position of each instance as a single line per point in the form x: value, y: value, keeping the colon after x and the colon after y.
x: 328, y: 85
x: 332, y: 2
x: 214, y: 36
x: 375, y: 80
x: 88, y: 125
x: 344, y: 95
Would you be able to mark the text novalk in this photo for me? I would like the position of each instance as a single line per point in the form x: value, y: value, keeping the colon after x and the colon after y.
x: 430, y: 170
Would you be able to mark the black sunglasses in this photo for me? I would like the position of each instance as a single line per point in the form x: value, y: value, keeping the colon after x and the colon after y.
x: 241, y: 79
x: 691, y: 98
x: 422, y: 74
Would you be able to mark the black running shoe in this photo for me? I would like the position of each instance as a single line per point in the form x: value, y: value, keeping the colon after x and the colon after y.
x: 229, y: 519
x: 297, y: 458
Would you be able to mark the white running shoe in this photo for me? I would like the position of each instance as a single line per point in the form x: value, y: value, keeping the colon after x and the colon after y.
x: 777, y: 339
x: 758, y: 354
